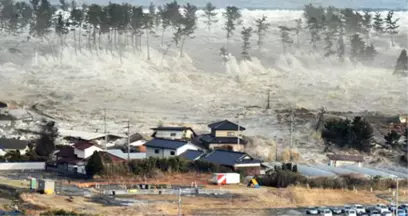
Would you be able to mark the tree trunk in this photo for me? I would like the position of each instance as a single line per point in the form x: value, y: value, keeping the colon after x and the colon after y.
x: 80, y: 36
x: 75, y: 41
x: 94, y: 36
x: 182, y: 46
x: 147, y: 44
x: 162, y: 37
x: 115, y: 38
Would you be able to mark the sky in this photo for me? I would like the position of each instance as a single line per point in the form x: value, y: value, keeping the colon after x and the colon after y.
x: 276, y: 4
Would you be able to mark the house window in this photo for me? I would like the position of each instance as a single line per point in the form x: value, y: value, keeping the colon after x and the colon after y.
x: 156, y: 151
x: 173, y: 134
x: 230, y: 134
x: 172, y: 153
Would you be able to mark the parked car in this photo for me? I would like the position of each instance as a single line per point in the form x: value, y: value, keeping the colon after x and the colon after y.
x: 326, y: 212
x: 336, y: 211
x: 392, y: 207
x: 401, y: 212
x: 321, y: 209
x: 382, y: 208
x: 387, y: 213
x: 359, y: 209
x: 351, y: 212
x: 346, y: 208
x: 375, y: 212
x: 312, y: 211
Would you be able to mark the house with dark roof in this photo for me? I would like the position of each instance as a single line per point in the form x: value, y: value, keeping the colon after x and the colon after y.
x: 83, y: 149
x: 224, y: 135
x: 173, y: 133
x: 163, y: 148
x: 238, y: 161
x: 7, y: 145
x: 192, y: 154
x: 337, y: 160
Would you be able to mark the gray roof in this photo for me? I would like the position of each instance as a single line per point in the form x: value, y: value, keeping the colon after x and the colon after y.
x: 172, y: 128
x: 164, y: 143
x: 228, y: 158
x: 192, y: 154
x: 13, y: 144
x: 124, y: 155
x: 225, y: 125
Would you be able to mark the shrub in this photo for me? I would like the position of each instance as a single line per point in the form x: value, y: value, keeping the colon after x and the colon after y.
x: 61, y: 212
x: 282, y: 179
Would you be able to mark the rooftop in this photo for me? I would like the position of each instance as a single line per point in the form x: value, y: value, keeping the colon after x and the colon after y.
x: 192, y: 154
x: 164, y: 143
x: 229, y: 158
x: 82, y: 145
x: 171, y: 128
x: 13, y: 144
x: 134, y: 155
x: 84, y: 135
x: 225, y: 125
x: 208, y: 138
x: 356, y: 158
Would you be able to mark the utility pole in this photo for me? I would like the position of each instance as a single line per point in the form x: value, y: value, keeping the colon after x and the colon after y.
x: 268, y: 106
x: 179, y: 202
x: 276, y: 149
x: 396, y: 196
x: 238, y: 130
x: 128, y: 139
x: 104, y: 130
x: 292, y: 116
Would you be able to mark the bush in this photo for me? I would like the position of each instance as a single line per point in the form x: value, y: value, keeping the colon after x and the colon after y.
x: 206, y: 167
x: 61, y: 212
x: 282, y: 179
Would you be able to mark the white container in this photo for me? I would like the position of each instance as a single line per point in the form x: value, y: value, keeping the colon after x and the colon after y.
x: 226, y: 178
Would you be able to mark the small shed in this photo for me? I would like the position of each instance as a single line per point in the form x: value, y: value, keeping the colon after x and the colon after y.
x: 336, y: 160
x: 46, y: 186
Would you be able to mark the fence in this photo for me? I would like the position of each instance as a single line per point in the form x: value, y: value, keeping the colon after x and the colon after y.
x: 23, y: 166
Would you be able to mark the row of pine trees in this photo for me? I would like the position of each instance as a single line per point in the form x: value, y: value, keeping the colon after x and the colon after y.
x: 330, y: 30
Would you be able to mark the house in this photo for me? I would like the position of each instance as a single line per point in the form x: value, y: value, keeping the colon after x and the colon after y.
x: 224, y: 135
x: 336, y: 160
x: 73, y: 136
x: 163, y: 148
x: 174, y: 133
x: 74, y: 158
x: 7, y: 145
x: 84, y: 149
x: 238, y: 161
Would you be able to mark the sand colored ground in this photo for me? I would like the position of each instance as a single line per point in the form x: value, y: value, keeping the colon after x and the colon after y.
x: 243, y: 201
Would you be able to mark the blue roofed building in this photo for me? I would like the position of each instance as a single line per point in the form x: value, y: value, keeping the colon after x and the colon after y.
x: 163, y: 148
x: 237, y: 161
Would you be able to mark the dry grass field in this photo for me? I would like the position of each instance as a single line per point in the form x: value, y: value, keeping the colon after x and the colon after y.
x: 244, y: 200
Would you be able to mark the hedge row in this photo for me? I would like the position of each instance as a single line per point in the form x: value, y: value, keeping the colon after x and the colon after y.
x: 284, y: 178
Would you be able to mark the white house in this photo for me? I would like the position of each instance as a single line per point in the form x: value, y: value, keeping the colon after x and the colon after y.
x: 7, y: 145
x: 85, y: 149
x: 173, y: 133
x: 163, y: 148
x: 336, y: 160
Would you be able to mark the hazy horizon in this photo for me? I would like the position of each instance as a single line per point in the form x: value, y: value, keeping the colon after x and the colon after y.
x: 272, y: 4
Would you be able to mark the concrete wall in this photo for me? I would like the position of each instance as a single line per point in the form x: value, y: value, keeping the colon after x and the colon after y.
x: 23, y: 166
x: 170, y: 134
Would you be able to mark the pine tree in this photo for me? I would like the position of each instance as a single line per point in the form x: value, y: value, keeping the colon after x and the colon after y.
x: 232, y: 17
x: 401, y: 67
x: 392, y: 26
x: 378, y: 23
x: 94, y: 165
x: 297, y: 31
x: 148, y: 25
x: 314, y: 28
x: 357, y: 47
x: 261, y: 28
x: 136, y: 24
x: 93, y: 17
x: 286, y: 40
x: 367, y: 19
x: 209, y: 15
x: 45, y: 145
x: 43, y: 17
x: 189, y: 24
x: 246, y: 34
x: 392, y: 138
x: 63, y: 5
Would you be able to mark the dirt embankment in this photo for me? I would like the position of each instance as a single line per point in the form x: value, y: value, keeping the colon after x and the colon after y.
x: 243, y: 200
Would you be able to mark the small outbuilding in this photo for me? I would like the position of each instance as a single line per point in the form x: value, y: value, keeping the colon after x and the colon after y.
x: 336, y: 160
